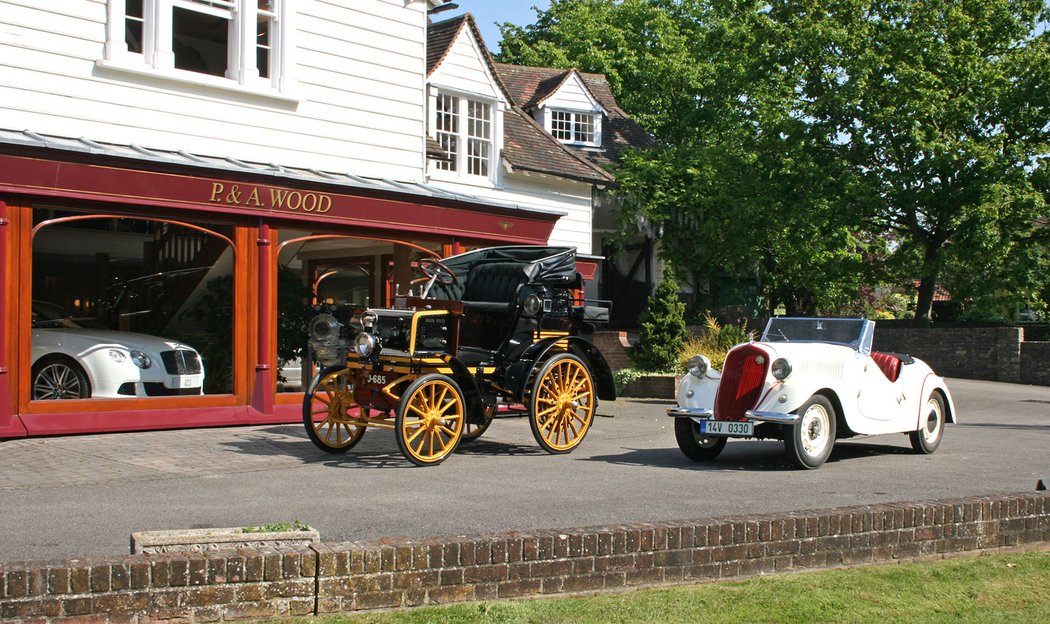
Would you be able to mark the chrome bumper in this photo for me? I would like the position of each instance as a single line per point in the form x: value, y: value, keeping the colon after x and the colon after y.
x: 690, y: 412
x: 698, y: 413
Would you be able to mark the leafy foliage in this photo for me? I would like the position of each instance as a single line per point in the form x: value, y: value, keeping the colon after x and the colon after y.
x: 661, y: 327
x: 714, y: 342
x: 824, y: 146
x: 624, y: 377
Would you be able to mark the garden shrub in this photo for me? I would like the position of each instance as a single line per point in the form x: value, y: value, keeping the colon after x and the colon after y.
x: 714, y: 341
x: 661, y: 330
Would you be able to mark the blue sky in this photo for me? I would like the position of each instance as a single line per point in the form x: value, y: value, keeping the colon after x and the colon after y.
x: 488, y: 12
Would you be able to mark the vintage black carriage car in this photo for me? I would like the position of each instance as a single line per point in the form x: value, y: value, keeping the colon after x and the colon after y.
x: 495, y: 332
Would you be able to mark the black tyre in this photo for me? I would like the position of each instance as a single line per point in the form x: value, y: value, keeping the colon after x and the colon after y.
x: 697, y: 446
x: 928, y: 438
x: 56, y: 377
x: 472, y: 431
x: 810, y: 440
x: 429, y: 420
x: 561, y: 404
x: 326, y: 411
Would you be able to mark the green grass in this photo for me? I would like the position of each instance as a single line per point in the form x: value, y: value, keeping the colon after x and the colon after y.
x: 999, y: 589
x: 277, y: 527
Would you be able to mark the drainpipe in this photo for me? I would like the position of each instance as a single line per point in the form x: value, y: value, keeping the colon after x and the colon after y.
x: 10, y: 425
x: 264, y: 382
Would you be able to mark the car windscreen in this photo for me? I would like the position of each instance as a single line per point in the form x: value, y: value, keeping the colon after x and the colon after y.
x: 840, y: 331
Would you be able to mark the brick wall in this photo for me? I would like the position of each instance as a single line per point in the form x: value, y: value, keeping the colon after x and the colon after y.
x: 653, y: 386
x: 1035, y: 363
x: 613, y: 345
x: 989, y: 353
x: 330, y: 578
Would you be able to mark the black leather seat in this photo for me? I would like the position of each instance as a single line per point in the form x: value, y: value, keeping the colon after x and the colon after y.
x: 492, y: 287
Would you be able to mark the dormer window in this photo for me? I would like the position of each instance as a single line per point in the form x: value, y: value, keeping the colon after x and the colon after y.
x: 574, y: 127
x: 463, y: 127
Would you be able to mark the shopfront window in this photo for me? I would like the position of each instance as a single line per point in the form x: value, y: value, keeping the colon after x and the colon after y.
x: 315, y: 270
x: 125, y: 308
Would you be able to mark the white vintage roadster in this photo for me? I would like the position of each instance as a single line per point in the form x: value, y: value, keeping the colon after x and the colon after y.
x: 808, y: 382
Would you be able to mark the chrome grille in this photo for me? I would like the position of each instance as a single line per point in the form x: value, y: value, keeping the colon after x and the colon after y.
x: 181, y: 362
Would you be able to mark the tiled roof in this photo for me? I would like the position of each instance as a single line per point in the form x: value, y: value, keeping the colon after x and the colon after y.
x: 528, y: 85
x: 435, y: 151
x: 440, y: 36
x: 527, y: 146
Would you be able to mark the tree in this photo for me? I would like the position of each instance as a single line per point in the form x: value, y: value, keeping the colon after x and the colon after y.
x: 739, y: 185
x: 943, y: 108
x: 799, y: 137
x: 661, y: 331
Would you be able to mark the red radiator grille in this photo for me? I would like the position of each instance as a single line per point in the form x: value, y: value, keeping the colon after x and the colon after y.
x: 743, y: 376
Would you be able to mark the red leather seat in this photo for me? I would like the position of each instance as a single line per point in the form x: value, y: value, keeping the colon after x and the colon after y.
x: 889, y: 363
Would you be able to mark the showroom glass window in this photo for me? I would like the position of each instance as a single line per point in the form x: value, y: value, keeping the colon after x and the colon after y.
x: 318, y: 272
x: 314, y: 270
x: 126, y: 307
x: 236, y: 40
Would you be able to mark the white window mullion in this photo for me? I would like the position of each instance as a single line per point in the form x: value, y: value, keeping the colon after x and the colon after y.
x: 240, y: 63
x: 116, y: 46
x: 157, y: 35
x: 283, y: 61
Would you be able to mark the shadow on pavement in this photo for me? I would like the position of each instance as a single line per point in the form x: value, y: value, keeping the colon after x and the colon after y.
x: 750, y: 456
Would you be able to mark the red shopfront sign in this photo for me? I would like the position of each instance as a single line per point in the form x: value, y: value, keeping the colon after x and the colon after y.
x: 433, y: 216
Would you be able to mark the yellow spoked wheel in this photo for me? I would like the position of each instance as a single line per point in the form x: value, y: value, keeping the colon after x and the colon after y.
x: 472, y: 431
x: 562, y: 403
x: 430, y: 418
x: 326, y: 412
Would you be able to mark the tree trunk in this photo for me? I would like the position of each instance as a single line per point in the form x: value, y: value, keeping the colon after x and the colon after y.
x: 927, y: 286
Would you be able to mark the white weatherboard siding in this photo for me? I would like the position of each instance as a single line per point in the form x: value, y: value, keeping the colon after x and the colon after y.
x: 545, y: 193
x: 358, y: 106
x: 572, y: 95
x: 464, y: 69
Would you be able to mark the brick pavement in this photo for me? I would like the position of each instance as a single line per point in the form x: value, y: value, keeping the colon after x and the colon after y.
x: 146, y: 456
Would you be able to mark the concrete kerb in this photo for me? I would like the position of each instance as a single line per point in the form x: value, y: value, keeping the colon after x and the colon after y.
x: 276, y: 581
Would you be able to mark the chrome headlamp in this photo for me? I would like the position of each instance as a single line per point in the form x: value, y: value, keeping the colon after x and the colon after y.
x: 142, y: 360
x: 364, y: 344
x: 324, y: 328
x: 532, y: 305
x: 781, y: 368
x: 699, y: 365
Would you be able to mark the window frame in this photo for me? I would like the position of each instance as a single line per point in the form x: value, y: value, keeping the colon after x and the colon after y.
x: 240, y: 240
x: 157, y: 58
x: 574, y: 123
x: 469, y: 148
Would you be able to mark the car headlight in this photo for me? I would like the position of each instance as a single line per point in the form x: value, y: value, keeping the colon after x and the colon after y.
x: 781, y: 368
x: 324, y: 328
x: 142, y: 360
x: 364, y: 344
x: 117, y: 356
x: 532, y: 305
x: 699, y: 365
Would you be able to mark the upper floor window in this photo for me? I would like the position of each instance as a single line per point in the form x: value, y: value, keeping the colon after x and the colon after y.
x: 574, y: 127
x: 464, y: 128
x: 235, y: 40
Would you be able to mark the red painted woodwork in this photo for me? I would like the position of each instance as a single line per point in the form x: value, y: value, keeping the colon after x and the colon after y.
x: 444, y: 217
x: 10, y: 426
x: 130, y: 190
